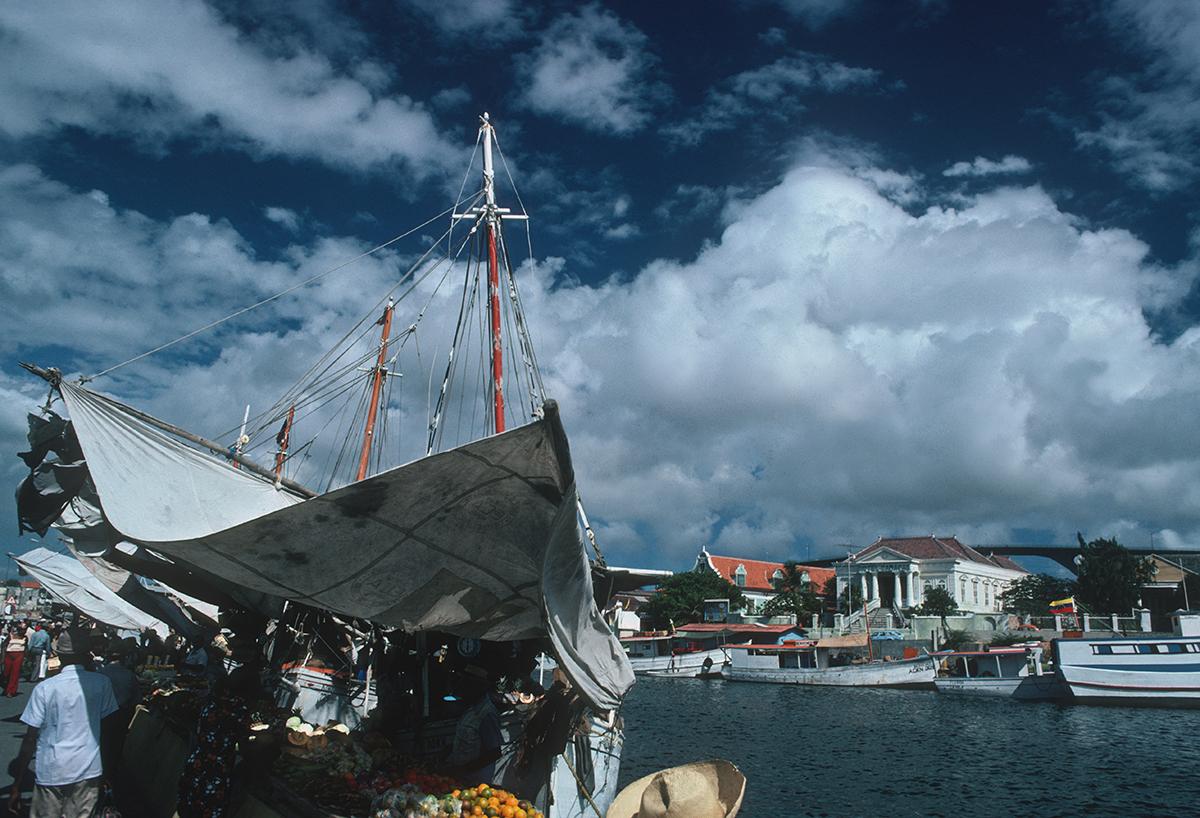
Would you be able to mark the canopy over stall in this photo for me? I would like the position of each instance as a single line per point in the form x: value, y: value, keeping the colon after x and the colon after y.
x: 480, y: 541
x: 74, y: 585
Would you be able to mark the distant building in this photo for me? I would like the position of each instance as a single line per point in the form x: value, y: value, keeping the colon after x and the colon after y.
x: 899, y: 571
x: 758, y: 580
x: 1166, y: 591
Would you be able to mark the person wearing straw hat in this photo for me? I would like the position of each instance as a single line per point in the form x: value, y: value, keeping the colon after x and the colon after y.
x: 703, y: 789
x: 69, y: 717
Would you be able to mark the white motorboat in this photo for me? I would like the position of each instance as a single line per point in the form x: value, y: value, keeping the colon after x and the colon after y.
x: 819, y: 662
x: 1013, y: 672
x: 1139, y: 670
x: 662, y: 654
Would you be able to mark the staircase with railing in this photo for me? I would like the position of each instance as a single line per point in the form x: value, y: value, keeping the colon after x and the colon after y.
x: 857, y: 622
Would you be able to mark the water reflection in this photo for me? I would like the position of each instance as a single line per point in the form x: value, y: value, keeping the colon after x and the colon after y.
x: 845, y: 752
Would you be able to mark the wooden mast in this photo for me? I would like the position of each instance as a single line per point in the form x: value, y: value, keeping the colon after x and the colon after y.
x: 285, y: 434
x: 492, y: 220
x: 380, y: 372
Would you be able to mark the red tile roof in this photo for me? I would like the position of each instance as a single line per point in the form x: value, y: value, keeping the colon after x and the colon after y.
x: 736, y: 627
x: 759, y: 572
x: 934, y: 548
x: 1005, y: 562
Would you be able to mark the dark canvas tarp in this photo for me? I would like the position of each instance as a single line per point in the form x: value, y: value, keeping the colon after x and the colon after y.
x: 480, y: 541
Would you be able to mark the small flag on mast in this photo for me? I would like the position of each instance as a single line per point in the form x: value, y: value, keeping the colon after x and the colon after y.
x: 1063, y: 606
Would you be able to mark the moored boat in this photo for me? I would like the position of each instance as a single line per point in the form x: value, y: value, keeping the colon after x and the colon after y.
x: 823, y: 662
x: 1141, y: 670
x: 666, y: 655
x: 1014, y: 672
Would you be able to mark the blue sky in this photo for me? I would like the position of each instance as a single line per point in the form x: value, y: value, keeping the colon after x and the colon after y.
x: 806, y: 272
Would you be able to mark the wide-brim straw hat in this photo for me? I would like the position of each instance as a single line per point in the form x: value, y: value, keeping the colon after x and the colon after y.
x: 702, y: 789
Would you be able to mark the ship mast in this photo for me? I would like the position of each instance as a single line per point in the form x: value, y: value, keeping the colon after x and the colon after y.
x: 379, y: 372
x: 492, y: 225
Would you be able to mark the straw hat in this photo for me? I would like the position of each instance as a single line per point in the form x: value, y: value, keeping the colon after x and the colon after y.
x: 703, y: 789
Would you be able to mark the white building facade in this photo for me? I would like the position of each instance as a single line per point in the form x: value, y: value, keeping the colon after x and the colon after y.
x: 900, y: 571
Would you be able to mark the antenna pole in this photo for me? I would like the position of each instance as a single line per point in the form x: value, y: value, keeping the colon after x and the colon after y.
x: 492, y: 220
x: 380, y: 372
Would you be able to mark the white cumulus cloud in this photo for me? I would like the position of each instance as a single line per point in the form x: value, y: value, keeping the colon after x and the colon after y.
x: 594, y: 70
x: 1148, y: 122
x: 981, y: 166
x: 159, y: 71
x: 830, y: 367
x: 773, y: 91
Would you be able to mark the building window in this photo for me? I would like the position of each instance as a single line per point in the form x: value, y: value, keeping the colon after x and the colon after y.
x: 805, y: 579
x: 776, y: 578
x: 739, y: 576
x: 962, y: 589
x: 975, y: 589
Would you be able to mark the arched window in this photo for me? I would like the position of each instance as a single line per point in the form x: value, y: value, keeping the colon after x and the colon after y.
x: 805, y: 579
x: 739, y: 576
x: 776, y: 578
x: 975, y: 589
x: 962, y: 589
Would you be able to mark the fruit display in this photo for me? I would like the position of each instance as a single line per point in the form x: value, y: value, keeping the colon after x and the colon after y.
x: 409, y: 801
x: 493, y: 802
x: 360, y: 774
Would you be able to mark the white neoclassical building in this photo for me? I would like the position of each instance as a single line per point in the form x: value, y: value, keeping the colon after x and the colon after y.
x: 900, y: 570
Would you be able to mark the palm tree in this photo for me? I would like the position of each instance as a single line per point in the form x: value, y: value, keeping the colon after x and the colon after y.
x: 794, y: 594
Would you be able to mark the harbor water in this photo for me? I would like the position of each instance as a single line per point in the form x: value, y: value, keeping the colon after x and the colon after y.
x: 818, y: 751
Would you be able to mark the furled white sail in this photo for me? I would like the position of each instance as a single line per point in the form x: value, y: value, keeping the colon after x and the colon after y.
x: 156, y: 485
x: 72, y: 584
x: 480, y: 541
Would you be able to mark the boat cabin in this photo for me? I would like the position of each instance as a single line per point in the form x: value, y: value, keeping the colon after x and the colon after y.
x: 1000, y: 663
x: 791, y: 655
x: 647, y: 645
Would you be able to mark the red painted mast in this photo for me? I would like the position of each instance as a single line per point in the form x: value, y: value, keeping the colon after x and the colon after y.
x: 493, y: 221
x: 380, y: 373
x: 282, y: 439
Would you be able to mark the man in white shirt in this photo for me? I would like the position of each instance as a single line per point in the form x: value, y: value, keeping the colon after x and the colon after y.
x: 70, y: 724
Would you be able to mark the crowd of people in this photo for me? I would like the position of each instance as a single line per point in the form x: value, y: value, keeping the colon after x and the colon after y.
x: 78, y: 712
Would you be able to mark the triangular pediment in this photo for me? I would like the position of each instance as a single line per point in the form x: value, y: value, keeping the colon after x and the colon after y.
x: 884, y: 554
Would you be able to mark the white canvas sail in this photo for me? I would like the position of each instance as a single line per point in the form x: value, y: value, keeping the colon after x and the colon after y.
x: 158, y: 486
x: 480, y: 541
x: 72, y: 584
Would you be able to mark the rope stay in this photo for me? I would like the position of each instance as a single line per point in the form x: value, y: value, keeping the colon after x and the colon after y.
x: 300, y: 285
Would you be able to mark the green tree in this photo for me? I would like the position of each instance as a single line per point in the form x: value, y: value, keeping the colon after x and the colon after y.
x: 1032, y: 594
x: 938, y: 602
x: 680, y: 599
x: 832, y: 603
x: 1110, y: 578
x: 794, y: 595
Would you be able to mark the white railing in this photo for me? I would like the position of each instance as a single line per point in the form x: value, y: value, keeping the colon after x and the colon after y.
x: 854, y: 622
x: 1090, y: 623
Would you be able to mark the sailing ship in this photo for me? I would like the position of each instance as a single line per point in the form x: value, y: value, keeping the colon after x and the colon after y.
x: 482, y: 537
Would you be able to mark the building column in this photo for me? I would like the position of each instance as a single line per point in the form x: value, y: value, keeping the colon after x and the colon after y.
x: 918, y: 589
x: 863, y: 580
x: 897, y: 598
x: 912, y: 589
x: 874, y: 586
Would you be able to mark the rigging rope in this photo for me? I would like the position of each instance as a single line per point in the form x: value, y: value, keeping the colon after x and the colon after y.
x: 271, y: 298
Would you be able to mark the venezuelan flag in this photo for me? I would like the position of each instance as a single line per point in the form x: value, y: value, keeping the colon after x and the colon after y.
x: 1063, y: 606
